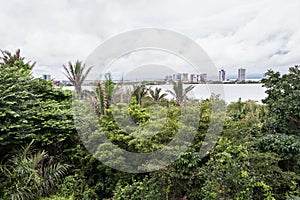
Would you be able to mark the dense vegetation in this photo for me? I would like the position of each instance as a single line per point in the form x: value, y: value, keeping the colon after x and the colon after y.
x: 257, y: 156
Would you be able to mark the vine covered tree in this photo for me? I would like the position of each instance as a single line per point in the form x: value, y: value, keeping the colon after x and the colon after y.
x: 283, y: 99
x: 31, y: 108
x: 284, y: 117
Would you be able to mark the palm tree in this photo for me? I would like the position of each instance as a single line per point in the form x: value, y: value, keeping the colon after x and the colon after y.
x: 179, y: 93
x: 28, y: 175
x: 102, y: 97
x: 139, y: 92
x: 76, y: 75
x: 8, y: 59
x: 109, y: 87
x: 99, y: 99
x: 156, y: 94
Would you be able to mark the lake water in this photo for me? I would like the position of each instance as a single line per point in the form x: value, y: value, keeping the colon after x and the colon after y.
x: 232, y: 92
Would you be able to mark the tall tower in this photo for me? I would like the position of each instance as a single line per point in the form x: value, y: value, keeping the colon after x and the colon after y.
x: 184, y: 77
x: 47, y: 77
x: 241, y: 75
x: 222, y: 76
x: 203, y: 78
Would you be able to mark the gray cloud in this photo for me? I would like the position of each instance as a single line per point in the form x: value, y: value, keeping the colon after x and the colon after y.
x: 235, y: 33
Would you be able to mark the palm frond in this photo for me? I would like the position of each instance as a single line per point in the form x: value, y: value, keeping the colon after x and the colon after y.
x: 29, y: 175
x: 188, y: 89
x: 76, y: 74
x: 179, y: 93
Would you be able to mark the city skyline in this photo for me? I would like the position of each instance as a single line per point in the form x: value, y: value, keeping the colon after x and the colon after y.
x: 184, y: 76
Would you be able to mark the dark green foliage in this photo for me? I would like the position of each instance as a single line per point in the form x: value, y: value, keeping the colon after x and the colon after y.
x: 287, y: 147
x: 9, y: 59
x: 31, y: 109
x: 255, y: 157
x: 137, y: 113
x: 139, y: 189
x: 283, y: 100
x: 284, y: 114
x: 241, y: 172
x: 30, y: 175
x: 91, y: 179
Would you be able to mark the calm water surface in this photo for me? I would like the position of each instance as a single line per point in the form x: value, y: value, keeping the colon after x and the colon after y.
x: 232, y: 92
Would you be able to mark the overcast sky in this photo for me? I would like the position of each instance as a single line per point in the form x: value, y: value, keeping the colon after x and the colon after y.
x: 256, y: 35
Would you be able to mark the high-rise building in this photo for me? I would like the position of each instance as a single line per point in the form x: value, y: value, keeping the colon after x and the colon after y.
x: 193, y: 78
x: 203, y: 78
x: 47, y: 77
x: 178, y: 76
x: 168, y: 78
x: 241, y: 75
x: 184, y: 77
x: 174, y: 77
x: 222, y: 76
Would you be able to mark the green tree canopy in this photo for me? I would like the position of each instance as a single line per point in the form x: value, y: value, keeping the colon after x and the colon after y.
x: 31, y: 108
x: 283, y: 99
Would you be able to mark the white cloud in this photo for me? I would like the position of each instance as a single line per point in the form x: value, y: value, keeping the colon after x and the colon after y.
x: 252, y: 34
